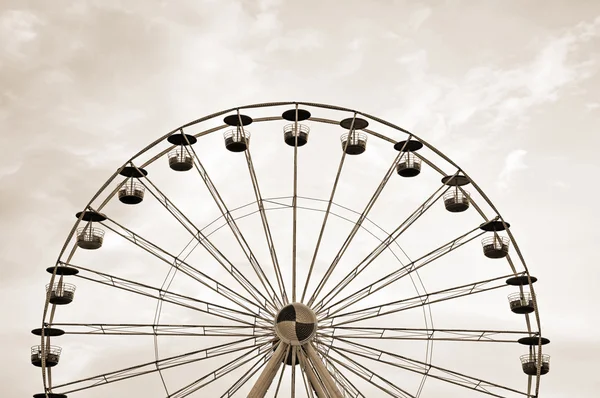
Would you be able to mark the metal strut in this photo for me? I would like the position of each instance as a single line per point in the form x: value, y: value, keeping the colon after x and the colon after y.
x: 320, y: 379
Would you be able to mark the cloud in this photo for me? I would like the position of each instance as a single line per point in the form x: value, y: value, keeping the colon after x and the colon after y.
x: 296, y: 41
x: 493, y: 94
x: 592, y: 105
x: 510, y: 93
x: 418, y: 17
x: 513, y: 163
x: 20, y: 28
x: 560, y: 184
x: 267, y: 22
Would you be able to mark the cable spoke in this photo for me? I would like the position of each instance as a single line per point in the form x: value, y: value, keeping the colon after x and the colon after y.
x: 182, y: 266
x: 423, y: 368
x: 161, y: 364
x: 273, y: 298
x: 207, y: 244
x: 167, y: 296
x: 364, y: 373
x: 138, y: 329
x: 391, y: 238
x: 358, y: 224
x: 341, y: 217
x: 265, y: 223
x: 329, y: 203
x: 469, y: 335
x: 414, y: 302
x: 263, y: 351
x: 295, y: 205
x: 394, y: 276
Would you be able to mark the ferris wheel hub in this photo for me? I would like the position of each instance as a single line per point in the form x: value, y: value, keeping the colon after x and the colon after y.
x: 296, y: 324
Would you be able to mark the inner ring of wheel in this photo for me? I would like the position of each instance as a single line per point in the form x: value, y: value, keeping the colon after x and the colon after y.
x: 296, y: 324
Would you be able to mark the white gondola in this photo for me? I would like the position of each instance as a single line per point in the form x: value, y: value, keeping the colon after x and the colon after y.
x: 409, y: 165
x: 51, y: 354
x: 89, y: 237
x: 495, y: 246
x: 61, y: 293
x: 456, y: 201
x: 180, y: 159
x: 290, y: 133
x: 531, y: 366
x: 354, y: 142
x: 132, y: 192
x: 237, y: 139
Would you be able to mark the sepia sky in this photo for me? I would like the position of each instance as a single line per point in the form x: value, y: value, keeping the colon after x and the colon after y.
x: 507, y: 89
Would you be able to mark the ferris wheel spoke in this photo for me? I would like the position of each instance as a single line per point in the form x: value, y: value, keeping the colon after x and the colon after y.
x: 414, y: 302
x: 262, y: 352
x: 273, y: 297
x: 181, y: 265
x: 209, y: 246
x: 366, y: 374
x: 392, y: 277
x: 358, y: 223
x: 427, y: 369
x: 295, y: 206
x: 166, y: 296
x: 458, y: 335
x: 329, y: 203
x: 138, y: 329
x: 381, y: 247
x: 265, y: 224
x: 249, y: 343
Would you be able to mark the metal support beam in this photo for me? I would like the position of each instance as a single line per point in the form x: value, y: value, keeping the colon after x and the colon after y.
x: 268, y: 374
x: 312, y: 377
x: 322, y: 372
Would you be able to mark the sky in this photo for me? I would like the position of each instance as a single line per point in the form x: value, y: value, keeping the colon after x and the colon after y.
x: 506, y: 89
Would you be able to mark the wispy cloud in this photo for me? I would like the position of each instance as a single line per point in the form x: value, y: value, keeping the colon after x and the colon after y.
x: 17, y: 29
x: 513, y: 163
x: 493, y: 95
x: 592, y: 105
x: 418, y: 17
x: 509, y: 93
x: 296, y: 41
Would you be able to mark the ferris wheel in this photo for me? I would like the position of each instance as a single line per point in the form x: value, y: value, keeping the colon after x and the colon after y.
x: 325, y: 255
